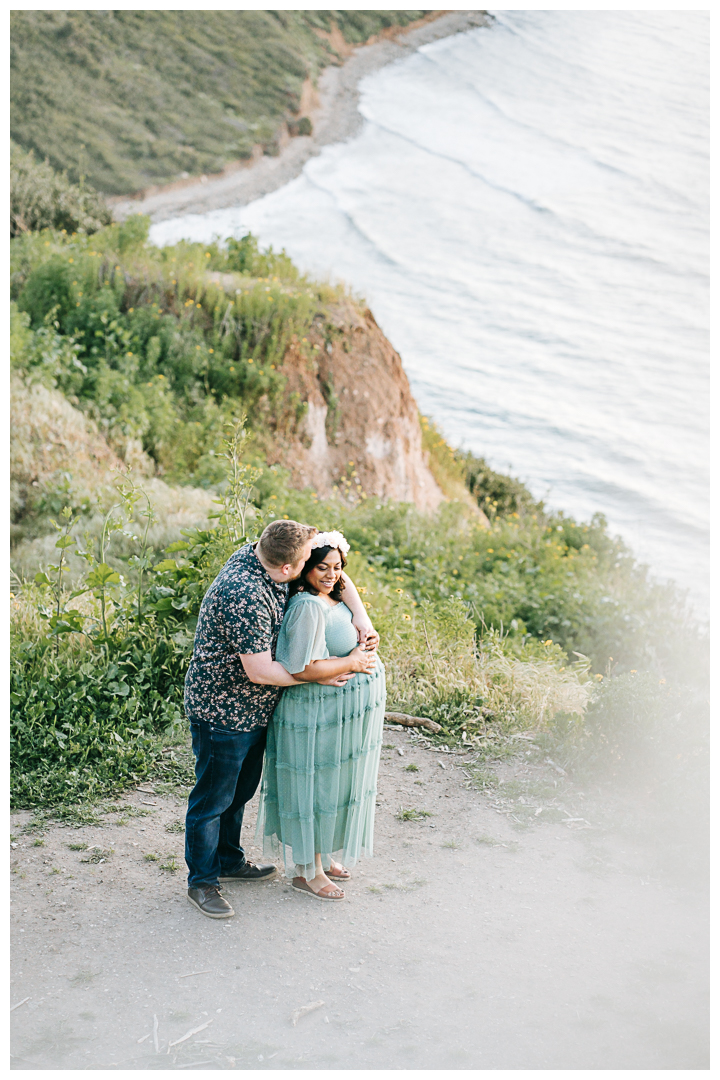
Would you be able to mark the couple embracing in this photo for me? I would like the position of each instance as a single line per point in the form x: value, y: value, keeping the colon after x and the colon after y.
x: 284, y: 664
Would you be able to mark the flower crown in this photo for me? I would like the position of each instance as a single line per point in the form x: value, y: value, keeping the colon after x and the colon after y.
x: 332, y: 539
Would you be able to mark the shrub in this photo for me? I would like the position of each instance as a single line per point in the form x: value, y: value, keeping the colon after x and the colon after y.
x: 82, y: 722
x: 95, y: 682
x: 497, y: 495
x: 159, y: 355
x: 303, y: 126
x: 40, y: 198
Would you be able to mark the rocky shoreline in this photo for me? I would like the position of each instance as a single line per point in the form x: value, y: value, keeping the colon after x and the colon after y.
x: 333, y: 109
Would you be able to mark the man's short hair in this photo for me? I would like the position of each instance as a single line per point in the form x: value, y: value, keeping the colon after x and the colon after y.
x: 283, y: 541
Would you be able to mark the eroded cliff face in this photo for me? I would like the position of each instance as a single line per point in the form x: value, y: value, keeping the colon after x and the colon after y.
x: 360, y: 432
x: 355, y: 428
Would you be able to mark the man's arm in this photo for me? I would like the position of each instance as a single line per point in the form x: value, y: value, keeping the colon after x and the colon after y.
x: 367, y: 634
x: 261, y: 669
x: 359, y: 660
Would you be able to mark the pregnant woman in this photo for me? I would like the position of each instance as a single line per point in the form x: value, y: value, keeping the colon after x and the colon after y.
x: 324, y: 742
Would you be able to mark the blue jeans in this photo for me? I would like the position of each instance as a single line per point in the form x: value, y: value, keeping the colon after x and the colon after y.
x: 228, y: 766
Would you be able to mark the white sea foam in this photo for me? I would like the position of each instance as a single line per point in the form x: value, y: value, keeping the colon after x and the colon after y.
x: 525, y: 210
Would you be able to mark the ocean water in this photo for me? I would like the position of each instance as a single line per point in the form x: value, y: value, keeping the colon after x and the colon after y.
x: 526, y: 212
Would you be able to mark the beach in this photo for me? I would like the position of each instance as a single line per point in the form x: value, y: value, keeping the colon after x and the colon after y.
x: 333, y: 109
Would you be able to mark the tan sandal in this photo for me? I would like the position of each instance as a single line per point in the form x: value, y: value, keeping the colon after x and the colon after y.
x: 334, y: 893
x: 338, y: 873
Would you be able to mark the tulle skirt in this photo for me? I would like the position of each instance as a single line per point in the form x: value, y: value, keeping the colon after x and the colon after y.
x: 320, y: 774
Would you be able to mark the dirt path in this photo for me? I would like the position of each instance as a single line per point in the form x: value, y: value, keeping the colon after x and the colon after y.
x: 477, y: 937
x: 335, y: 118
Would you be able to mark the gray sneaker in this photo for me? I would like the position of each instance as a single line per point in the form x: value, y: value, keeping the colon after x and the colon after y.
x: 209, y: 900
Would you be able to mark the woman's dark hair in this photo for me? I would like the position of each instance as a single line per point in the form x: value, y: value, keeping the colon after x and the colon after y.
x: 317, y: 555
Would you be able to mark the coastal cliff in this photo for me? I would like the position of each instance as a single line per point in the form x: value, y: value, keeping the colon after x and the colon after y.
x: 125, y: 356
x: 361, y: 432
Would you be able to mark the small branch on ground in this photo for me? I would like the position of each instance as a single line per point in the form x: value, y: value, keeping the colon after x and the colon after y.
x: 412, y: 721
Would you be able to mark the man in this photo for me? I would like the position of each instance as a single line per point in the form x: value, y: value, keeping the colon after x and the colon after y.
x: 232, y: 686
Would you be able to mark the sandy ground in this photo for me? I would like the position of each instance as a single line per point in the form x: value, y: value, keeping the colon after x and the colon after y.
x: 336, y: 119
x: 486, y: 935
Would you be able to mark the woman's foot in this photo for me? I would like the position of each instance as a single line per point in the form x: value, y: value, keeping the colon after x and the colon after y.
x: 319, y: 887
x: 337, y: 871
x: 320, y: 882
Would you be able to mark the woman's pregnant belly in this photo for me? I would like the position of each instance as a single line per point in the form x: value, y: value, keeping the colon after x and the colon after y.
x: 307, y: 690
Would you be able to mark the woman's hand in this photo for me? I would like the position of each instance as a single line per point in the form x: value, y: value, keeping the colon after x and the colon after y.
x: 366, y: 632
x: 372, y: 639
x: 362, y: 660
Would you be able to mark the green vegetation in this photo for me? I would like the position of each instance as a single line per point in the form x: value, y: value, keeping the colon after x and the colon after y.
x: 131, y: 98
x: 522, y: 621
x: 152, y: 347
x: 40, y: 198
x: 411, y: 814
x: 96, y: 854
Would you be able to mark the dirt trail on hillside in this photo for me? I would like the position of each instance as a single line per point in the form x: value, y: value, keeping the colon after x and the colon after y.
x: 478, y: 937
x: 335, y: 118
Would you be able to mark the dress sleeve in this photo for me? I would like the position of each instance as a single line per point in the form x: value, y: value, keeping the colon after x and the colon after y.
x: 302, y: 637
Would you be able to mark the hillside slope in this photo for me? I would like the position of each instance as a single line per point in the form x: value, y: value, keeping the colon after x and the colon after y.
x: 131, y: 98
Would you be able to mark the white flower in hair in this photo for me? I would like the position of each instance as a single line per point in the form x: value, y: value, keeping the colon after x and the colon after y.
x: 332, y: 539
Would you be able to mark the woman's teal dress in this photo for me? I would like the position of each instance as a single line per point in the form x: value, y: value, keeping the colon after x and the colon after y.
x: 323, y: 747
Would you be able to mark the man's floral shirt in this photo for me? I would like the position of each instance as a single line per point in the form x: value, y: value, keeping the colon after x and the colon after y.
x: 241, y: 613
